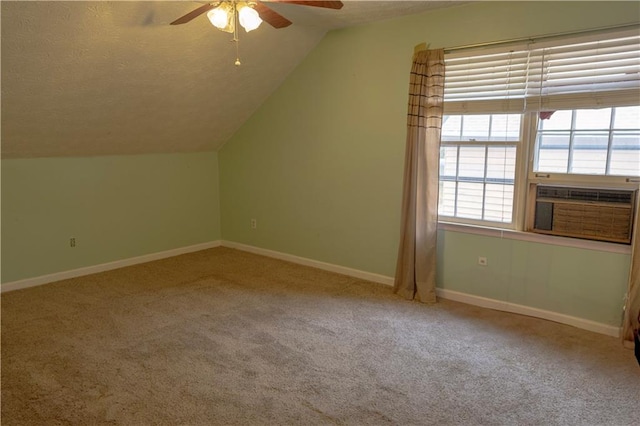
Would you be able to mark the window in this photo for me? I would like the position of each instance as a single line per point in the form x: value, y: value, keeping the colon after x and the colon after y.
x: 589, y: 141
x: 477, y: 166
x: 565, y: 112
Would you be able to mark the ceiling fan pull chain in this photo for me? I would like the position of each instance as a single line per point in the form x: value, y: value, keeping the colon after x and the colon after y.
x: 235, y: 34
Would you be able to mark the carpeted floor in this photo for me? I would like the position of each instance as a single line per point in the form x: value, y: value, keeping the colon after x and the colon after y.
x: 227, y: 337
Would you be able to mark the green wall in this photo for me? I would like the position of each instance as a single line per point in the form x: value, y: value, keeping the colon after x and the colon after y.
x: 320, y: 164
x: 115, y: 207
x: 577, y: 282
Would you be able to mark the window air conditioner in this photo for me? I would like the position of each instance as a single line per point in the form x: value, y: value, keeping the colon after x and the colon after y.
x: 590, y: 213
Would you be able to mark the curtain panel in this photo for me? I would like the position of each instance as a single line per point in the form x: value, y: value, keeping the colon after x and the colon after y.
x: 631, y: 322
x: 416, y: 267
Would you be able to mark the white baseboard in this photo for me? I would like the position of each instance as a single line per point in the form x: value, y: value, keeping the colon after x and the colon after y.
x: 369, y: 276
x: 88, y: 270
x: 499, y: 305
x: 442, y: 293
x: 377, y: 278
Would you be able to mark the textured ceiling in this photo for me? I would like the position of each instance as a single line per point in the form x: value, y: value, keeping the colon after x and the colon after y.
x: 108, y: 78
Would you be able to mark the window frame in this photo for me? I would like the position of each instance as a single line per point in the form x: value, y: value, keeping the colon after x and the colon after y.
x: 535, y: 178
x: 519, y: 178
x: 609, y: 181
x: 526, y: 179
x: 528, y: 106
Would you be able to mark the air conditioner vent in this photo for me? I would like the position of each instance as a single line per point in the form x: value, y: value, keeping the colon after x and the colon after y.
x: 585, y: 194
x: 623, y: 197
x: 590, y: 213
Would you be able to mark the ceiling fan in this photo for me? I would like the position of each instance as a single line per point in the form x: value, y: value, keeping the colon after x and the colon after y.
x: 252, y: 10
x: 227, y: 15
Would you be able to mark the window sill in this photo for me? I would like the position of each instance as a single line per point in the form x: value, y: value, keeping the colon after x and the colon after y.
x: 535, y: 238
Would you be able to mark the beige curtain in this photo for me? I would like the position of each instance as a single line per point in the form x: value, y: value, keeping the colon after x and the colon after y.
x: 632, y: 308
x: 416, y: 267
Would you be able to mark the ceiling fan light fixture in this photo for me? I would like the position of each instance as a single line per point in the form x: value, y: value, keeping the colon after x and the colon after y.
x: 222, y: 17
x: 248, y: 17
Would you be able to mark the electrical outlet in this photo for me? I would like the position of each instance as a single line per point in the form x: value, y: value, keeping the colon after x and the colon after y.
x: 482, y: 261
x: 254, y: 224
x: 72, y: 242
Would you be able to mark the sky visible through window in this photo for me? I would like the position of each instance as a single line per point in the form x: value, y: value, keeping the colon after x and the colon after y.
x: 602, y: 141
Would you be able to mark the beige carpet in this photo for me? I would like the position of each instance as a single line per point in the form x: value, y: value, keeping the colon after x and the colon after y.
x: 226, y: 337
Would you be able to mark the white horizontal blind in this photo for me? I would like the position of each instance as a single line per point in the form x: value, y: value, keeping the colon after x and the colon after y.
x: 589, y: 74
x: 594, y: 71
x: 488, y: 81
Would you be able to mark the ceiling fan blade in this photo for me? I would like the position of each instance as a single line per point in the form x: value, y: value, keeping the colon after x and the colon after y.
x: 194, y: 13
x: 325, y: 4
x: 271, y: 17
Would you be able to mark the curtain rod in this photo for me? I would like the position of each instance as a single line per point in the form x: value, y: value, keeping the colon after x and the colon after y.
x: 540, y: 38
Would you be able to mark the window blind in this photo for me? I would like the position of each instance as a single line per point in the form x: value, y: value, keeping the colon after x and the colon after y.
x: 588, y: 71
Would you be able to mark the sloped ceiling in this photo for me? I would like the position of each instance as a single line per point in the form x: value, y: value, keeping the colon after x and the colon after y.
x: 110, y: 78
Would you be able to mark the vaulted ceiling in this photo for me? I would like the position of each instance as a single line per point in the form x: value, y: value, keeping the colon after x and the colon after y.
x: 108, y: 78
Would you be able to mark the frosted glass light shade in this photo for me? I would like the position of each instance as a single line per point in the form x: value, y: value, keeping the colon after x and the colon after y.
x: 249, y: 18
x: 222, y: 17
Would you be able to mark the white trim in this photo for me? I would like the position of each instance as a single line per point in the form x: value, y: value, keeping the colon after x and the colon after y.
x: 88, y: 270
x: 442, y: 293
x: 499, y: 305
x: 377, y: 278
x: 535, y: 238
x: 356, y: 273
